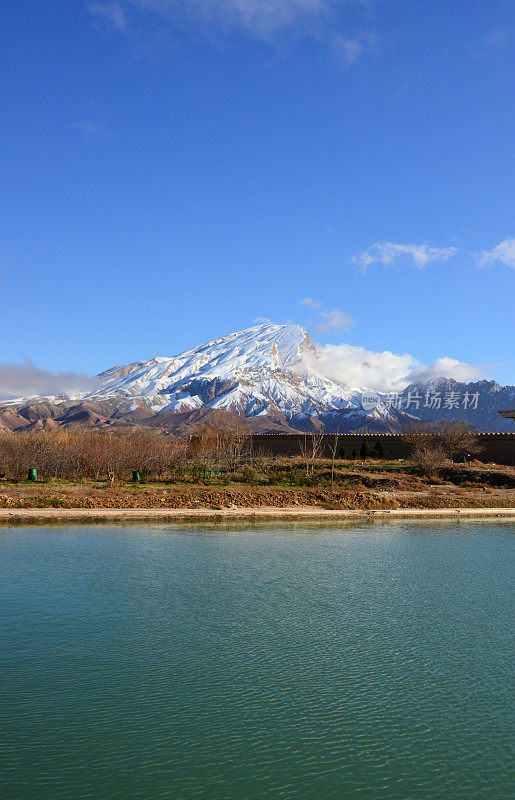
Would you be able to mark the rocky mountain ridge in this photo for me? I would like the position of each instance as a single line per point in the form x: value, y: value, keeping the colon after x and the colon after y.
x: 268, y: 375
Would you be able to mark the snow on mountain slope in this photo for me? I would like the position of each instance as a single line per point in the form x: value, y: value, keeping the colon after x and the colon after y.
x: 252, y: 371
x: 263, y: 374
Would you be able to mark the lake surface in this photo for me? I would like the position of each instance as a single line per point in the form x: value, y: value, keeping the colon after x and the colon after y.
x: 364, y: 661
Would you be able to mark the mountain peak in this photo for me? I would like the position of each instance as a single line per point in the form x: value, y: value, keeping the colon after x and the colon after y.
x: 262, y: 373
x: 250, y: 370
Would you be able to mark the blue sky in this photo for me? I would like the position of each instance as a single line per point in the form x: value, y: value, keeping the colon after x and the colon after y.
x: 173, y: 171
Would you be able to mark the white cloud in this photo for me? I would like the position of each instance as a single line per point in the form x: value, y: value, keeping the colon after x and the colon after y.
x: 448, y: 368
x: 258, y: 17
x: 503, y: 253
x: 331, y: 320
x: 335, y: 320
x: 329, y: 22
x: 387, y: 254
x: 353, y: 366
x: 93, y: 129
x: 112, y: 14
x: 498, y: 38
x: 22, y: 380
x: 308, y: 301
x: 347, y: 50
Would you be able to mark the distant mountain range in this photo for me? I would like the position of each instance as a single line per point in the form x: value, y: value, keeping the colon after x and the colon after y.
x: 267, y: 374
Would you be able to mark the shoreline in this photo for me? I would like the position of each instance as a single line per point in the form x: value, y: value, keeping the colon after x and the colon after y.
x: 257, y: 514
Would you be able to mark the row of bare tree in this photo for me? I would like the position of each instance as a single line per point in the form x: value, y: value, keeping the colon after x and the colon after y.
x: 225, y: 443
x: 79, y: 453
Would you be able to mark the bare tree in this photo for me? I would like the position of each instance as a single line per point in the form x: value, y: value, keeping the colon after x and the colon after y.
x: 225, y: 441
x: 333, y: 452
x: 457, y: 439
x: 430, y: 459
x: 431, y: 446
x: 414, y: 434
x: 310, y: 448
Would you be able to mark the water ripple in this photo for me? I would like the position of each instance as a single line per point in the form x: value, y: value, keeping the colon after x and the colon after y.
x: 368, y: 662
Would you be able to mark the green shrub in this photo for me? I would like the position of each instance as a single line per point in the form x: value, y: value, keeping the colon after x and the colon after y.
x: 364, y: 450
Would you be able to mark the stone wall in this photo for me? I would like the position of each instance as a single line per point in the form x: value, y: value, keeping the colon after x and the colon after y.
x: 498, y: 448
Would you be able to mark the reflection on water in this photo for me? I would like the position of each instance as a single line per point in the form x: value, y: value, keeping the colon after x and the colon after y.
x: 365, y: 660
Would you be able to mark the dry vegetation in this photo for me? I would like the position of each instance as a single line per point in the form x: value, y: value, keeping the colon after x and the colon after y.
x: 433, y: 447
x: 92, y: 454
x: 89, y: 469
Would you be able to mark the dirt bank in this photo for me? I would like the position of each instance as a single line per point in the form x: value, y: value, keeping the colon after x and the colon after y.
x: 170, y: 514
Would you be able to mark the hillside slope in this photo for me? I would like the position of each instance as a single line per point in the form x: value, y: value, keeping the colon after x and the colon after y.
x: 263, y: 374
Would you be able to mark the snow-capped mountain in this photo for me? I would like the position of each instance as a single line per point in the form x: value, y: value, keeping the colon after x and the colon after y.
x: 267, y: 374
x: 478, y: 403
x: 252, y: 371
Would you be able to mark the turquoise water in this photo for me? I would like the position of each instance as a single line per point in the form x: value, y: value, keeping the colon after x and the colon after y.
x: 368, y: 661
